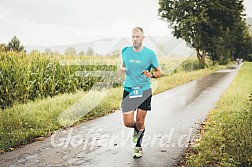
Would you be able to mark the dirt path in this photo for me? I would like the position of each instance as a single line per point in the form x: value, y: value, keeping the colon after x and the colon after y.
x: 171, y: 124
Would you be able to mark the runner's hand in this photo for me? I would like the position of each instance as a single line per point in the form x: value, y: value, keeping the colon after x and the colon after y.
x: 147, y: 73
x: 121, y: 71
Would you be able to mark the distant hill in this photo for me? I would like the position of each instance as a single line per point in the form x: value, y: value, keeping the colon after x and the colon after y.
x: 162, y: 45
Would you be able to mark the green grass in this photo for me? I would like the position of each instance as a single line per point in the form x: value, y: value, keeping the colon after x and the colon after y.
x: 22, y: 123
x: 227, y: 135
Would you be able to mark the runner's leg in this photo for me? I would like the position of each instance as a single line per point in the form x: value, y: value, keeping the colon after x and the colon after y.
x: 128, y: 119
x: 140, y: 120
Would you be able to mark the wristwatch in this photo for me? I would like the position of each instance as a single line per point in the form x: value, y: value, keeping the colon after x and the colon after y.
x: 153, y: 76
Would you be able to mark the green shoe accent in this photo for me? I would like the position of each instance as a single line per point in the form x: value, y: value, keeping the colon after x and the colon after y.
x: 138, y: 152
x: 134, y: 137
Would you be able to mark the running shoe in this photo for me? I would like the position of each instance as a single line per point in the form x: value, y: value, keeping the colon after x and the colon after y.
x: 138, y: 152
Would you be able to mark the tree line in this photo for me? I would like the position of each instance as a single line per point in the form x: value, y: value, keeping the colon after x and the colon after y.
x: 214, y: 28
x: 71, y: 51
x: 15, y: 46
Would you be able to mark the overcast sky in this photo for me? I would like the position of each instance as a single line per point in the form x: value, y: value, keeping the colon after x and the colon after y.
x: 58, y: 22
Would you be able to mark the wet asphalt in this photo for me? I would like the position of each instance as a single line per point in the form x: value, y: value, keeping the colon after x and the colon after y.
x: 171, y: 125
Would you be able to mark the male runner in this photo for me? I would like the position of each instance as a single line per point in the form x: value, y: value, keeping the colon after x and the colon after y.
x: 137, y: 64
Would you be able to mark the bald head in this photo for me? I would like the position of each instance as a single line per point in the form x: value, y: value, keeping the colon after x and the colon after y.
x: 138, y: 29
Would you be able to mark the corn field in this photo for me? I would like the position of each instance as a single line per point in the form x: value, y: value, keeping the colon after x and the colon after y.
x: 25, y: 77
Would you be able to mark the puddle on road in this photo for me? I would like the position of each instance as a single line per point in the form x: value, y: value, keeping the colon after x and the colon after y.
x: 232, y: 68
x: 204, y: 84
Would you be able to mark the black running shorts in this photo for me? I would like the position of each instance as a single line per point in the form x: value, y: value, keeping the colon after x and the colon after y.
x: 131, y: 104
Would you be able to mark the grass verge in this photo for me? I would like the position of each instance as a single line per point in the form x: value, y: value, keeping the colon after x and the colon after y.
x: 226, y: 138
x: 25, y: 123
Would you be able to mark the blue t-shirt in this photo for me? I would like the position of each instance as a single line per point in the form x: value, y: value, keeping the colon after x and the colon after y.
x: 136, y: 63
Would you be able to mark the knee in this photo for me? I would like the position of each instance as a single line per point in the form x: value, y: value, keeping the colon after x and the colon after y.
x: 140, y: 123
x: 128, y: 124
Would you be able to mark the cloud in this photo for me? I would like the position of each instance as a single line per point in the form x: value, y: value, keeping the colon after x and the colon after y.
x: 77, y: 12
x: 53, y: 22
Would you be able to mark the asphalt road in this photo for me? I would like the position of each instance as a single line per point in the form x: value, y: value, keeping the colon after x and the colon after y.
x: 175, y: 117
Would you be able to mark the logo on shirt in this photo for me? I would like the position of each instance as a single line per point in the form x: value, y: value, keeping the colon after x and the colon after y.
x: 135, y: 61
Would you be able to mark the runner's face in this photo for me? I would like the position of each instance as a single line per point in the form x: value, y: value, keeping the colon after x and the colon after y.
x: 137, y: 38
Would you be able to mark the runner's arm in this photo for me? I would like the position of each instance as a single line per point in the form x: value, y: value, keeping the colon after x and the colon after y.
x: 156, y: 74
x: 122, y: 69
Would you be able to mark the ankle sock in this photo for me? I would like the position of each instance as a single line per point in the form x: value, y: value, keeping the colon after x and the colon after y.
x: 135, y: 127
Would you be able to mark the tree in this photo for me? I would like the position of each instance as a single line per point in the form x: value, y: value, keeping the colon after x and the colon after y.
x: 14, y: 45
x: 90, y: 51
x: 204, y: 24
x: 242, y: 41
x: 82, y: 53
x: 188, y: 21
x: 48, y: 51
x: 224, y: 18
x: 70, y: 51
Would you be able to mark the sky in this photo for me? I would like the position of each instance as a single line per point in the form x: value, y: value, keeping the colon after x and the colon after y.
x: 61, y: 22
